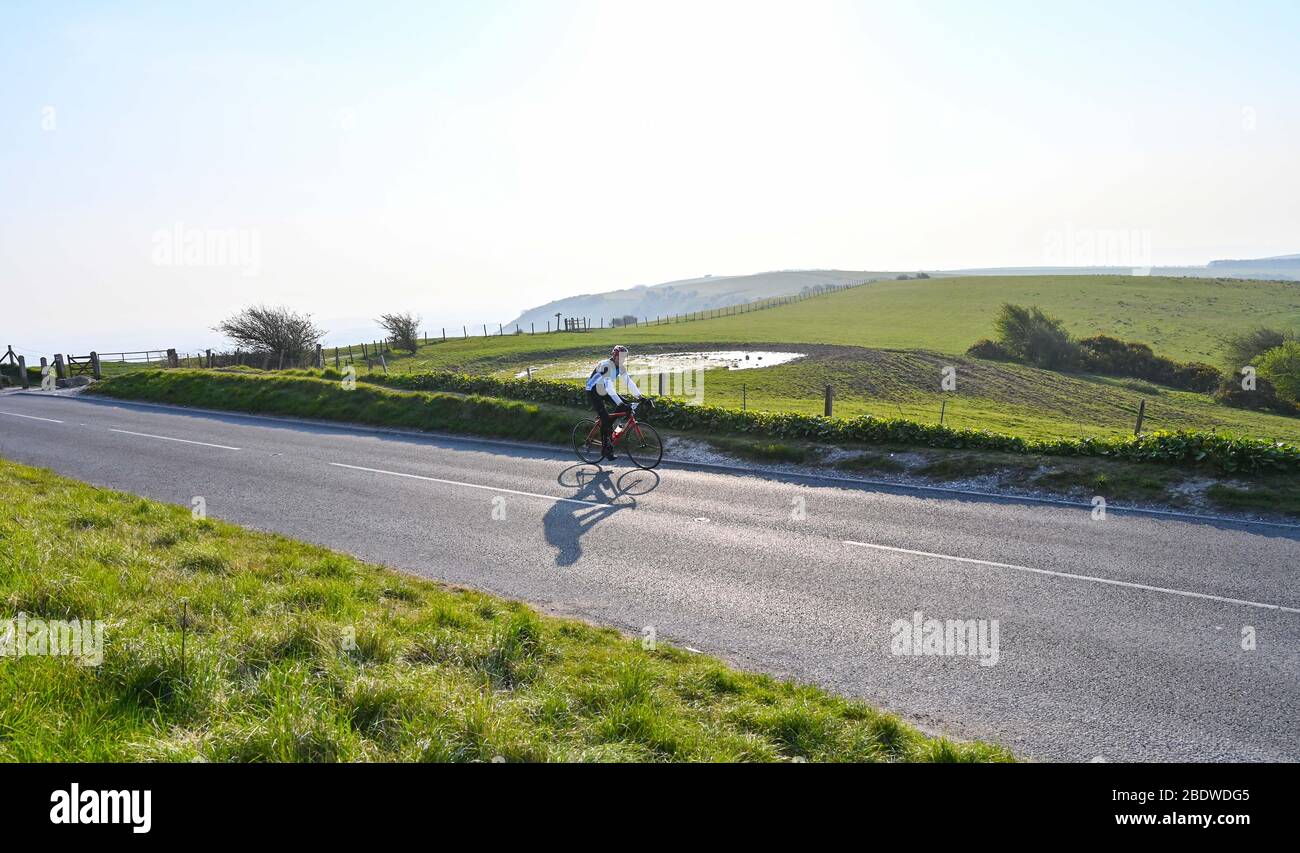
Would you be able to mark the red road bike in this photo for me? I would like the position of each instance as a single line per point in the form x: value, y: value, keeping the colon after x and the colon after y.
x: 638, y: 438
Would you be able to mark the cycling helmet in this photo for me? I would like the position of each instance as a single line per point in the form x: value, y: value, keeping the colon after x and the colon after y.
x: 618, y: 354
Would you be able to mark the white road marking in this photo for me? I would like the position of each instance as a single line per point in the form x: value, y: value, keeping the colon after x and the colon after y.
x: 32, y: 417
x: 169, y: 438
x: 1108, y: 581
x: 468, y: 485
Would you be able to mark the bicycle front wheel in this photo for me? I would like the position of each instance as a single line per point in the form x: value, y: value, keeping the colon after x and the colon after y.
x: 643, y: 446
x: 586, y: 441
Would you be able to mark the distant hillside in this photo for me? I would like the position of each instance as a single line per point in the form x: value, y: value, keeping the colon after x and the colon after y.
x: 1282, y: 268
x: 700, y: 294
x: 1288, y: 265
x: 692, y: 294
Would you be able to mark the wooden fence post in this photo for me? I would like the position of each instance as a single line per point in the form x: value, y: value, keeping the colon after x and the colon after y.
x: 173, y: 360
x: 661, y: 383
x: 830, y: 400
x: 94, y: 365
x: 60, y: 369
x: 209, y: 352
x: 1142, y: 410
x: 22, y: 372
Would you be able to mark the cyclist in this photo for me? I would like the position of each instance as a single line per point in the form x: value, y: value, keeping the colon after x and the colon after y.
x: 601, y: 385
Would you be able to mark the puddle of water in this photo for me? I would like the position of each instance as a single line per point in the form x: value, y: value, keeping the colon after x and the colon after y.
x: 670, y: 362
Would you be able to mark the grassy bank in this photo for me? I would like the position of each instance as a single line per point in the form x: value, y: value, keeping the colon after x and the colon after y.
x: 310, y: 397
x: 1078, y: 479
x: 433, y: 674
x: 545, y: 411
x: 995, y: 396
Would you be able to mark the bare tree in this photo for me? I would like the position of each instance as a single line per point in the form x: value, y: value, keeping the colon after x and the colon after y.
x: 281, y: 333
x: 403, y: 329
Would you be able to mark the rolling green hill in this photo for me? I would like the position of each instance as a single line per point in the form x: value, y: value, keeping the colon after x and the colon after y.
x: 1183, y: 318
x: 882, y: 346
x: 688, y: 295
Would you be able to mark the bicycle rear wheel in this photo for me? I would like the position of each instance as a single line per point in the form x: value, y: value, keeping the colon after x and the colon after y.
x: 643, y: 446
x: 586, y: 441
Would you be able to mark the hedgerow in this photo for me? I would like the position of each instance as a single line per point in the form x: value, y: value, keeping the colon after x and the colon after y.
x: 299, y: 395
x: 1223, y: 451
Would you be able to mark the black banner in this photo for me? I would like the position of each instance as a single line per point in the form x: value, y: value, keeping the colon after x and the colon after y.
x: 141, y: 804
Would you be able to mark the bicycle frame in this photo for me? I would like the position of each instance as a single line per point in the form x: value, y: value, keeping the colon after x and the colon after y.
x: 616, y: 434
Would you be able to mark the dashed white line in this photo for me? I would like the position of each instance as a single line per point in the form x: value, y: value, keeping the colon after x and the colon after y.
x: 31, y: 417
x: 468, y: 485
x: 1072, y: 576
x: 169, y: 438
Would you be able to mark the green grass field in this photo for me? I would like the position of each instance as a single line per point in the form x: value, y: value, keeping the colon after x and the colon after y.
x: 1183, y: 318
x: 296, y: 653
x: 882, y: 346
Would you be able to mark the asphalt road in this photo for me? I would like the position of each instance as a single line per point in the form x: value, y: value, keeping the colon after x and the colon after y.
x: 1119, y: 638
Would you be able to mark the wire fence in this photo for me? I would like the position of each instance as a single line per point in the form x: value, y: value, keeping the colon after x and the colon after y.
x: 564, y: 324
x: 376, y: 354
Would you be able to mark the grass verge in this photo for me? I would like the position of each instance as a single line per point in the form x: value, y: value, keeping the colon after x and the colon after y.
x: 1279, y: 495
x: 297, y: 653
x: 309, y: 397
x: 758, y: 450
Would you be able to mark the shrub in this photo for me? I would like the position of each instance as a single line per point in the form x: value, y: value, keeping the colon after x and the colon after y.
x: 1113, y: 357
x: 280, y: 332
x: 1281, y: 366
x: 1034, y: 338
x: 989, y: 350
x: 403, y: 329
x: 1243, y: 349
x: 1197, y: 376
x: 1263, y: 399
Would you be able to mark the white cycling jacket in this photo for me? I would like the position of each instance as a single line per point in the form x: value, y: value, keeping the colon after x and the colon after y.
x: 602, y: 381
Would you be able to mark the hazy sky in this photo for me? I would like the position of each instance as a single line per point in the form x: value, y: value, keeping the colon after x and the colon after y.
x: 164, y: 164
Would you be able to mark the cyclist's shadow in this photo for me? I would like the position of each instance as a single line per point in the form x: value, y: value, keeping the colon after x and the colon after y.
x: 599, y: 495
